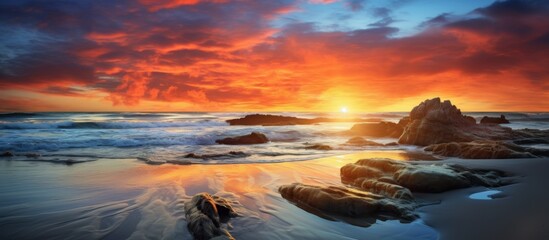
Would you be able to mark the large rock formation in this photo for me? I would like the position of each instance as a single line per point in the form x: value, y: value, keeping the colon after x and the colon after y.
x: 434, y: 121
x: 494, y: 120
x: 381, y: 129
x: 252, y: 138
x: 277, y: 120
x: 400, y: 178
x: 205, y: 213
x: 485, y: 149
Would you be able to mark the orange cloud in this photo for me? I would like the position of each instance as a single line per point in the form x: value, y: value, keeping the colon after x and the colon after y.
x: 224, y: 55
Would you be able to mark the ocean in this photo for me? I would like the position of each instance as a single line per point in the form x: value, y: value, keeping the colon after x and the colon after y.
x: 113, y: 195
x: 81, y: 137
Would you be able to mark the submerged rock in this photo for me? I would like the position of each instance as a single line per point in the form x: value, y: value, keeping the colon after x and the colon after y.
x: 319, y: 147
x: 494, y: 120
x: 7, y: 154
x: 358, y: 141
x: 252, y: 138
x: 231, y: 154
x: 346, y: 202
x: 381, y: 129
x: 480, y: 150
x: 205, y: 213
x: 32, y: 155
x: 431, y: 178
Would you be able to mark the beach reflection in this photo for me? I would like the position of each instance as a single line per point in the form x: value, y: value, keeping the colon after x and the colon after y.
x: 116, y: 199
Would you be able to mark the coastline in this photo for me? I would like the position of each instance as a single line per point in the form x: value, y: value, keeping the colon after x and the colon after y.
x: 113, y: 199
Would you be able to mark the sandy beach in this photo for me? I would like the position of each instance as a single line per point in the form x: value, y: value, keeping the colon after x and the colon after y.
x: 125, y: 198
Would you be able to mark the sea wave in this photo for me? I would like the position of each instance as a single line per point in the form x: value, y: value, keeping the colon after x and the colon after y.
x: 106, y: 125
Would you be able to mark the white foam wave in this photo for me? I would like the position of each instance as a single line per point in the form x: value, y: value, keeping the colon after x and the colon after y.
x: 107, y: 125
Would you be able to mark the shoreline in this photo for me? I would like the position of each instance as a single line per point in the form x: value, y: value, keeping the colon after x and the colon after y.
x: 160, y: 190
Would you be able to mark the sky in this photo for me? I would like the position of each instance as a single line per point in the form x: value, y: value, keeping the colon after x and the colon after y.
x: 272, y: 55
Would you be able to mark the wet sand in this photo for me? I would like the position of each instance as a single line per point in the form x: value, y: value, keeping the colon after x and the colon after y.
x: 127, y: 199
x: 519, y: 212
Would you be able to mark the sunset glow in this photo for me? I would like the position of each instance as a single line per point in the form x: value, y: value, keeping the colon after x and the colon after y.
x: 206, y: 55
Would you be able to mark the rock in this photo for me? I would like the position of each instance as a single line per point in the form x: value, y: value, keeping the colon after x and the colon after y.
x: 404, y: 121
x: 252, y: 138
x: 434, y: 121
x: 381, y: 129
x: 7, y: 154
x: 481, y: 149
x: 205, y: 213
x: 277, y: 120
x: 358, y: 141
x: 231, y: 154
x: 494, y: 120
x: 319, y: 147
x: 391, y: 144
x: 397, y: 175
x: 32, y: 155
x: 343, y: 201
x: 382, y: 188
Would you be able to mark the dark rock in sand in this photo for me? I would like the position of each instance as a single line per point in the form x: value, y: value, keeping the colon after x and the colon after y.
x: 358, y: 141
x: 482, y: 149
x: 381, y: 129
x: 416, y: 177
x: 277, y: 120
x: 205, y: 213
x: 252, y: 138
x: 346, y: 202
x: 494, y: 120
x: 391, y: 144
x: 7, y: 154
x: 319, y: 147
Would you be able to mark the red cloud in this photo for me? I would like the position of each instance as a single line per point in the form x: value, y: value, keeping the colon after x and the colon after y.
x: 225, y: 56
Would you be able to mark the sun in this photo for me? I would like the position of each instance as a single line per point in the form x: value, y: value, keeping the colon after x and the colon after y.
x: 344, y: 110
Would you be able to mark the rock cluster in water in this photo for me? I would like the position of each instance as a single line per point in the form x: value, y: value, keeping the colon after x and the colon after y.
x: 435, y: 122
x: 277, y: 120
x: 205, y: 214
